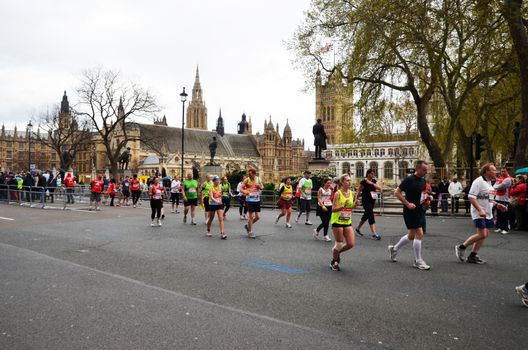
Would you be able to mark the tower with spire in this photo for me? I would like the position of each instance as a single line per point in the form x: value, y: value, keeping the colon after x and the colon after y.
x: 220, y: 124
x: 65, y: 118
x: 197, y: 112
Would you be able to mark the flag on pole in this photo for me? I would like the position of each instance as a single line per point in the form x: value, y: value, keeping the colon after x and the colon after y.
x: 327, y: 48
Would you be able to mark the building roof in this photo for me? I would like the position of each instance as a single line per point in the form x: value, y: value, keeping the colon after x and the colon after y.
x: 197, y: 141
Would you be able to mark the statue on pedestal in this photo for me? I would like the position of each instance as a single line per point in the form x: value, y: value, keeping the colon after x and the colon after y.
x: 319, y: 139
x: 124, y: 159
x: 212, y: 149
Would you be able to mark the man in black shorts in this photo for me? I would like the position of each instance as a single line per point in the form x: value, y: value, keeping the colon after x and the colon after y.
x: 414, y: 188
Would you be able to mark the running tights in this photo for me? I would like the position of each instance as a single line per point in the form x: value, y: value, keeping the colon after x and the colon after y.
x: 155, y: 206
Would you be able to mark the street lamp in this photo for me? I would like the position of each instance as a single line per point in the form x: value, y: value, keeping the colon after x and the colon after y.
x: 183, y: 97
x: 29, y: 128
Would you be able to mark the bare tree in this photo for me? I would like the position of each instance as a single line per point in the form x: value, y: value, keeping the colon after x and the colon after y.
x: 63, y: 132
x: 157, y: 144
x: 109, y: 104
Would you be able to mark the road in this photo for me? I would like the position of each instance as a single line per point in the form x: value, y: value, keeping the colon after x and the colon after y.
x: 107, y: 280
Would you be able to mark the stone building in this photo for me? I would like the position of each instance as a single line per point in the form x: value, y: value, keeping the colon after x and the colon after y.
x: 334, y: 106
x: 281, y: 156
x: 197, y: 112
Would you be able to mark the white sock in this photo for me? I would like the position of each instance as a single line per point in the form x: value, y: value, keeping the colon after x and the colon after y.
x: 417, y: 246
x: 403, y: 241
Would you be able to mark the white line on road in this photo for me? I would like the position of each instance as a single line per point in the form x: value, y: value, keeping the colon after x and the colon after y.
x: 9, y: 219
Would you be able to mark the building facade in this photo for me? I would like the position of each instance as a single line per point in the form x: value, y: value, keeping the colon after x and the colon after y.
x: 334, y: 106
x: 197, y: 112
x: 391, y: 161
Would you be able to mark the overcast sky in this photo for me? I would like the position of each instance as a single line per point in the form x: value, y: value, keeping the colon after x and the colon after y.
x: 238, y: 45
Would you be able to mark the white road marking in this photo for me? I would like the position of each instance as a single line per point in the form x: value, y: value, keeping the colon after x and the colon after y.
x: 9, y: 219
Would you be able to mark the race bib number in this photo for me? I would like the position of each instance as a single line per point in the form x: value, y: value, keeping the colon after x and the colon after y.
x: 423, y: 197
x: 254, y: 195
x: 192, y: 190
x: 345, y: 214
x: 374, y: 195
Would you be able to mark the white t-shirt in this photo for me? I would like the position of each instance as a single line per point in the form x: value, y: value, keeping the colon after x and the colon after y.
x: 308, y: 188
x: 175, y: 186
x: 484, y: 193
x: 455, y: 188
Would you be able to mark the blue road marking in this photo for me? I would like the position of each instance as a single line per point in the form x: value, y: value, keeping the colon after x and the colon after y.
x: 273, y: 267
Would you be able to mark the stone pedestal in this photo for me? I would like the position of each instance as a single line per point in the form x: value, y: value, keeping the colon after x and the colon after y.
x: 211, y: 170
x: 121, y: 173
x: 318, y: 164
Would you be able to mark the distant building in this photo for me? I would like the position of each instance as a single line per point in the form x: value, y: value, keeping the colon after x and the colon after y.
x: 197, y: 112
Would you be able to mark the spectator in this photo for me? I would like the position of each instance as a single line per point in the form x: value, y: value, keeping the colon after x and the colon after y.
x: 455, y: 189
x: 465, y: 191
x: 518, y: 202
x: 28, y: 183
x: 443, y: 188
x: 69, y: 182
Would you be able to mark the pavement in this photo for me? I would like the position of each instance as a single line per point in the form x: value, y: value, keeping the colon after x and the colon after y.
x: 78, y: 279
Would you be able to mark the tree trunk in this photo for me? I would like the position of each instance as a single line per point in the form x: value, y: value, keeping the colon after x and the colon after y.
x: 518, y: 31
x: 427, y: 138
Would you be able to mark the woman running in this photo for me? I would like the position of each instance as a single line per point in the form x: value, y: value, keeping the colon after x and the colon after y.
x: 216, y: 206
x: 324, y: 208
x: 155, y: 194
x: 242, y: 199
x: 341, y: 220
x: 206, y: 186
x: 285, y: 202
x: 367, y: 190
x: 111, y: 191
x: 226, y: 195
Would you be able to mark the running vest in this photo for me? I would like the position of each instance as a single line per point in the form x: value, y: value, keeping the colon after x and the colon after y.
x: 207, y: 186
x: 135, y: 185
x: 217, y: 194
x: 225, y: 190
x: 504, y: 190
x: 287, y: 193
x: 97, y: 186
x: 344, y: 216
x: 190, y: 188
x: 326, y: 197
x: 254, y: 190
x: 156, y: 191
x: 19, y: 183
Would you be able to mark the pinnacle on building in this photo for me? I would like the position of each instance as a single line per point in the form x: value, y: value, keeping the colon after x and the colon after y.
x: 197, y: 112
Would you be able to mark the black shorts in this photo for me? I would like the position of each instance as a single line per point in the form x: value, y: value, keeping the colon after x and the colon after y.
x: 206, y: 203
x: 368, y: 215
x: 214, y: 207
x: 175, y: 197
x: 126, y: 194
x: 305, y: 205
x: 253, y: 207
x: 191, y: 202
x: 341, y: 225
x: 413, y: 218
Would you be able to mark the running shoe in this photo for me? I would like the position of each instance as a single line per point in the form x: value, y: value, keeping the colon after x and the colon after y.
x: 334, y: 265
x: 223, y: 236
x: 288, y: 225
x: 315, y: 234
x: 308, y: 222
x: 184, y: 219
x: 251, y: 235
x: 497, y: 230
x: 152, y: 224
x: 421, y: 265
x: 376, y: 237
x: 523, y: 293
x: 460, y: 253
x: 392, y: 253
x: 162, y: 216
x: 177, y: 212
x: 504, y: 232
x: 159, y: 222
x: 327, y: 239
x: 358, y: 232
x: 241, y: 217
x: 475, y: 259
x: 193, y: 222
x: 135, y: 206
x: 209, y: 234
x: 276, y: 220
x: 297, y: 219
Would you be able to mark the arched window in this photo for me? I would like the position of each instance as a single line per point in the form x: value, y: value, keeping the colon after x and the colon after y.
x: 355, y: 153
x: 374, y: 166
x: 391, y: 153
x: 404, y: 151
x: 360, y: 169
x: 376, y: 152
x: 388, y: 170
x: 369, y: 153
x: 382, y: 152
x: 345, y: 168
x: 402, y: 169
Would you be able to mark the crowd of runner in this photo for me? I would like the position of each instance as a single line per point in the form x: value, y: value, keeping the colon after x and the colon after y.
x: 496, y: 202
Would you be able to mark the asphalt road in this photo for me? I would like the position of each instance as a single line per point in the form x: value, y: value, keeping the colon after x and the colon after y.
x: 107, y: 280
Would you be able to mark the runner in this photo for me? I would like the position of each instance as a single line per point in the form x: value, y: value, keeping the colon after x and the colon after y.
x: 522, y: 290
x: 324, y: 209
x: 367, y: 189
x: 226, y: 195
x: 242, y: 199
x: 156, y: 199
x: 97, y: 187
x: 135, y: 186
x: 175, y: 194
x: 502, y: 196
x: 216, y: 206
x: 125, y: 190
x: 111, y: 191
x: 252, y: 189
x: 206, y: 186
x: 69, y: 182
x: 305, y: 186
x: 190, y: 197
x: 481, y: 197
x: 341, y: 220
x: 285, y: 202
x: 413, y: 186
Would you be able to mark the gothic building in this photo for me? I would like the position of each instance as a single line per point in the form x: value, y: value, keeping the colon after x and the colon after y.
x: 197, y: 112
x: 281, y: 156
x: 334, y: 106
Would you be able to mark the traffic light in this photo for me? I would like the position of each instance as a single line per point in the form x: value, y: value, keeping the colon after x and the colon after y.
x: 479, y: 146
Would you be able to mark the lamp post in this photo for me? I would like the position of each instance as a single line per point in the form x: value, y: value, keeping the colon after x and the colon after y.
x: 183, y: 97
x: 30, y: 129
